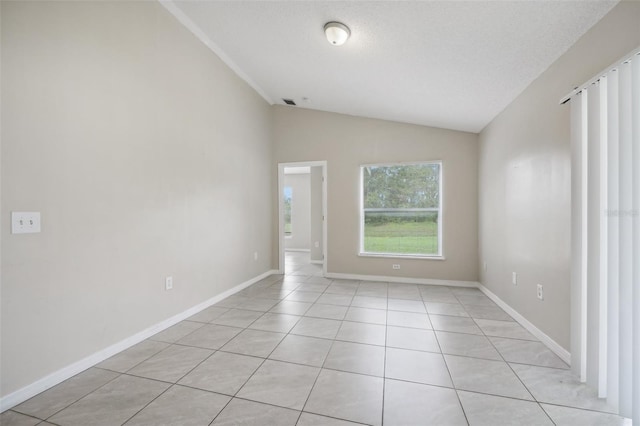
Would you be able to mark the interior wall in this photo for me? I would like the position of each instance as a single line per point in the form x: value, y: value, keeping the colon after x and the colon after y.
x: 316, y: 243
x: 346, y: 142
x: 125, y: 132
x: 300, y: 211
x: 525, y: 179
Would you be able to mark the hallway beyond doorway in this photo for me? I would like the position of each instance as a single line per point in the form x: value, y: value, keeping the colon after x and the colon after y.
x: 299, y: 263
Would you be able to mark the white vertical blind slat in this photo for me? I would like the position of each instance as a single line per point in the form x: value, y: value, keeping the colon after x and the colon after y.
x: 625, y: 241
x: 603, y: 238
x: 613, y: 297
x: 635, y: 217
x: 584, y: 255
x: 578, y: 227
x: 593, y: 229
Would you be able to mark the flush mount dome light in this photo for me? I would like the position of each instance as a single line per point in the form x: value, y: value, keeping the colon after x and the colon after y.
x: 337, y: 33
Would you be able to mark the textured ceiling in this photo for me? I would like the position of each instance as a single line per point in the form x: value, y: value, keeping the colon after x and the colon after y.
x: 450, y: 64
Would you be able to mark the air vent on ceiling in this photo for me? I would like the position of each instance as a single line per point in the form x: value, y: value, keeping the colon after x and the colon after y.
x: 289, y: 101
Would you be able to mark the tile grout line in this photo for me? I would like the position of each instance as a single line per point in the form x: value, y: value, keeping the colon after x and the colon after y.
x: 82, y: 397
x: 453, y: 385
x: 182, y: 377
x: 361, y: 374
x: 264, y: 361
x: 288, y: 292
x: 22, y: 414
x: 254, y: 371
x: 384, y: 364
x: 96, y: 389
x: 445, y: 361
x: 333, y: 340
x: 472, y: 318
x: 321, y: 367
x: 515, y: 374
x: 200, y: 363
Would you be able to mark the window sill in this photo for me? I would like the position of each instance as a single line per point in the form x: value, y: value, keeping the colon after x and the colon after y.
x: 402, y: 256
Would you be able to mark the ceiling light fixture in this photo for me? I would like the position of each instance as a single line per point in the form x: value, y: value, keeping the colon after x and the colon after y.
x: 336, y: 32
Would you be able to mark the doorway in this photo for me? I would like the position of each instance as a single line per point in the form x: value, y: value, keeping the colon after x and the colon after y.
x: 302, y: 217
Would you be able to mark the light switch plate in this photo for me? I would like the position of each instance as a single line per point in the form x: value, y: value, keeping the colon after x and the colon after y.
x: 25, y: 222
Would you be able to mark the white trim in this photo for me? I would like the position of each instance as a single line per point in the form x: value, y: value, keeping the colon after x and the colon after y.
x: 281, y: 234
x: 325, y: 218
x: 200, y: 35
x: 402, y: 256
x: 303, y: 170
x: 21, y: 395
x: 404, y: 280
x: 564, y: 354
x: 317, y: 262
x: 439, y: 210
x: 300, y: 250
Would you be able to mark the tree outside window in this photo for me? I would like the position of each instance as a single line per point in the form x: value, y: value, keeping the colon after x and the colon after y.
x: 288, y: 194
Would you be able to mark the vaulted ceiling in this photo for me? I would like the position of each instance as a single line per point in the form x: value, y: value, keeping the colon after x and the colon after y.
x: 450, y: 64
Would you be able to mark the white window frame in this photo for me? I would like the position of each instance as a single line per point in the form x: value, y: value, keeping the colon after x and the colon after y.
x: 437, y: 256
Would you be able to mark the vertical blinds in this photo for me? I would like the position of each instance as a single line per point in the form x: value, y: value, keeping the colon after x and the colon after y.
x: 605, y: 278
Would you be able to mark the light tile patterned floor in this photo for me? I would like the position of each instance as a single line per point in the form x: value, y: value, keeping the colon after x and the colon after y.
x: 304, y: 350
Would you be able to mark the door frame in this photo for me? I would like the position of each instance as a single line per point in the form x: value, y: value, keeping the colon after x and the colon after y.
x: 281, y: 167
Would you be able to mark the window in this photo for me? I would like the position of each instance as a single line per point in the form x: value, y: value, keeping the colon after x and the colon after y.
x: 288, y: 193
x: 401, y: 210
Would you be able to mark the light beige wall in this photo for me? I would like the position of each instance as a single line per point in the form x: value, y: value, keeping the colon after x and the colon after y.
x: 346, y: 142
x: 300, y: 211
x: 524, y: 179
x: 316, y: 214
x: 147, y: 157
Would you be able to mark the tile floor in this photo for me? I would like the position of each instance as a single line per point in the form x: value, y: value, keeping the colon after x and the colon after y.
x: 304, y: 350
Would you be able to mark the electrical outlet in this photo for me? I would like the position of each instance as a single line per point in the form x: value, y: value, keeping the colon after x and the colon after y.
x: 168, y: 283
x: 317, y: 244
x: 396, y: 266
x: 25, y: 222
x: 514, y: 278
x: 540, y: 292
x: 255, y: 255
x: 484, y: 266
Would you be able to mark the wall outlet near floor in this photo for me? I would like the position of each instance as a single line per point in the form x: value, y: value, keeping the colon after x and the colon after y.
x: 317, y: 244
x: 396, y: 266
x: 255, y: 255
x: 168, y: 283
x: 484, y: 266
x: 540, y: 292
x: 514, y: 278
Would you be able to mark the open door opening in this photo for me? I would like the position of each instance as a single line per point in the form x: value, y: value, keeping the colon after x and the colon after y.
x: 302, y: 208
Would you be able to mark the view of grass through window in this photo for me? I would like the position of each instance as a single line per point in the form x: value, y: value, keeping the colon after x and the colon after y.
x: 401, y: 209
x: 288, y: 193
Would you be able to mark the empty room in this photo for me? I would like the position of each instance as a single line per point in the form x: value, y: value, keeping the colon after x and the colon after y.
x: 320, y: 213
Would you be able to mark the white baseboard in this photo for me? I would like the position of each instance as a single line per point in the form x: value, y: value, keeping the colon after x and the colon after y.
x: 404, y: 280
x: 300, y: 250
x: 21, y: 395
x: 317, y: 262
x: 564, y: 354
